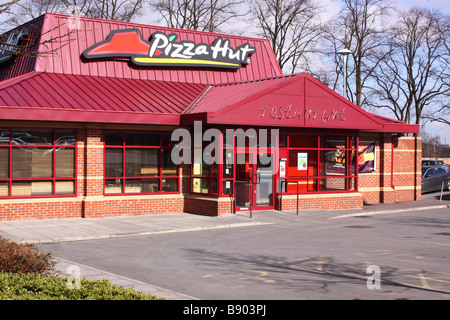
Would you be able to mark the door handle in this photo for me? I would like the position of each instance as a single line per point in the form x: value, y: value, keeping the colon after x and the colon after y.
x: 255, y: 178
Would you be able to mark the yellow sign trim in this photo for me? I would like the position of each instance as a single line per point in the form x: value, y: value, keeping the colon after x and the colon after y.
x: 181, y: 61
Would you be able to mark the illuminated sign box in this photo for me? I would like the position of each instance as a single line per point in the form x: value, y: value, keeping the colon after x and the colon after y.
x: 163, y: 50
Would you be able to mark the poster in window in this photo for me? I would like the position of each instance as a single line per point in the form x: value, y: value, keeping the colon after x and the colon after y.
x: 282, y: 168
x: 302, y: 161
x: 366, y: 159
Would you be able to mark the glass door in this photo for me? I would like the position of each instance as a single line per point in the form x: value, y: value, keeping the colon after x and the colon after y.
x: 254, y: 181
x: 244, y: 171
x: 264, y: 186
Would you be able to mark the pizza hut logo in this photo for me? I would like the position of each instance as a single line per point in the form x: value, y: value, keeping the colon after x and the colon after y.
x: 164, y: 50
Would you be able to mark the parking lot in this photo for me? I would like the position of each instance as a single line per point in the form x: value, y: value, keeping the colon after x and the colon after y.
x: 402, y: 254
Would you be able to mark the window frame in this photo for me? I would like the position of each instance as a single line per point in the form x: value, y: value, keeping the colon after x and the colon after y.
x: 160, y: 177
x: 211, y: 176
x: 351, y: 149
x: 53, y: 179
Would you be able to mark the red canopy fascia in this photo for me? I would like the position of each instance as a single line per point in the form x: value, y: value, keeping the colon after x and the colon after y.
x: 289, y: 101
x: 44, y: 114
x: 58, y: 97
x: 295, y: 101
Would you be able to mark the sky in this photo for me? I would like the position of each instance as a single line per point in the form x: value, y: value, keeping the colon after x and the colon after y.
x: 434, y: 4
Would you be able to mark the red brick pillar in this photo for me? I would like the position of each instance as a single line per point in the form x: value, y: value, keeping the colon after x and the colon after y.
x: 387, y: 165
x: 408, y: 165
x: 93, y: 166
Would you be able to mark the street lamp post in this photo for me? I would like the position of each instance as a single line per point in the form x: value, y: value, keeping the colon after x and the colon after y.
x: 345, y: 52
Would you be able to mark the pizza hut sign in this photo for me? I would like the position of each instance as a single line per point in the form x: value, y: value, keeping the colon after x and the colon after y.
x: 164, y: 50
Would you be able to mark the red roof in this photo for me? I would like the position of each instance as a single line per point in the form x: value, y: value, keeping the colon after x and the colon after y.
x: 51, y: 96
x: 64, y: 55
x: 220, y: 96
x: 288, y: 101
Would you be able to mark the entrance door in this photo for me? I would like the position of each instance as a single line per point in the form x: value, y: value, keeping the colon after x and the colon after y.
x: 254, y: 181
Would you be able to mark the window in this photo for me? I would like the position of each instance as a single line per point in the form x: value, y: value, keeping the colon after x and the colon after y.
x: 204, y: 171
x: 321, y: 163
x: 228, y: 171
x: 139, y: 163
x: 37, y: 162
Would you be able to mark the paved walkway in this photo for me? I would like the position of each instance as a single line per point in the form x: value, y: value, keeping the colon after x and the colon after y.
x: 79, y: 229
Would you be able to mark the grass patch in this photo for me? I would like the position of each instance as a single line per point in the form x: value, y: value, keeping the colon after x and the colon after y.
x: 32, y: 286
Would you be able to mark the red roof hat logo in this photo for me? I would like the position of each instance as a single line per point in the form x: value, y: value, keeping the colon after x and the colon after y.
x: 163, y: 50
x: 119, y: 43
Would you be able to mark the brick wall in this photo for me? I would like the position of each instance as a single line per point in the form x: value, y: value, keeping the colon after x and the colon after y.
x: 15, y: 209
x: 207, y: 205
x: 383, y: 185
x: 95, y: 207
x: 325, y: 201
x: 398, y: 170
x: 89, y: 200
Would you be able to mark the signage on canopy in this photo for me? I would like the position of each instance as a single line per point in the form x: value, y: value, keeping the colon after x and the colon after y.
x: 164, y: 50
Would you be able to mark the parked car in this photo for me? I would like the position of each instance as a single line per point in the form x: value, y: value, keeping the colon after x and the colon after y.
x: 434, y: 176
x: 433, y: 163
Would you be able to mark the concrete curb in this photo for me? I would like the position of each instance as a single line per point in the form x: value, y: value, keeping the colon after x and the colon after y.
x: 91, y: 273
x: 371, y: 213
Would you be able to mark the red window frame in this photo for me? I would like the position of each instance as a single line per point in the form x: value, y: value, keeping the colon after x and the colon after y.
x: 124, y: 178
x: 212, y: 176
x: 52, y: 179
x: 351, y: 149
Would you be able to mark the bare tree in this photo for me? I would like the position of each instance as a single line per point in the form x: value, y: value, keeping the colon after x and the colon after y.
x: 359, y: 27
x: 124, y: 10
x: 441, y: 115
x: 204, y: 15
x: 26, y: 10
x: 414, y: 76
x: 29, y: 41
x: 292, y: 28
x: 5, y: 7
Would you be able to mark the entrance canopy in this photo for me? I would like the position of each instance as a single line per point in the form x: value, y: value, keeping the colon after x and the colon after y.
x: 285, y: 101
x: 288, y: 101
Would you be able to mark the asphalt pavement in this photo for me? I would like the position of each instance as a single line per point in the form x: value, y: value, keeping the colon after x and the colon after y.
x: 80, y: 229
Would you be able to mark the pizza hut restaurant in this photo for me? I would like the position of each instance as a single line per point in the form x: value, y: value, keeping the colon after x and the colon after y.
x: 89, y: 127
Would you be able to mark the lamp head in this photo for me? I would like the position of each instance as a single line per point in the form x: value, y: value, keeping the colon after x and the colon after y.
x: 344, y: 52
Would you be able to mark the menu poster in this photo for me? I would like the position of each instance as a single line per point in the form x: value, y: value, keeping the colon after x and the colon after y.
x: 302, y: 161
